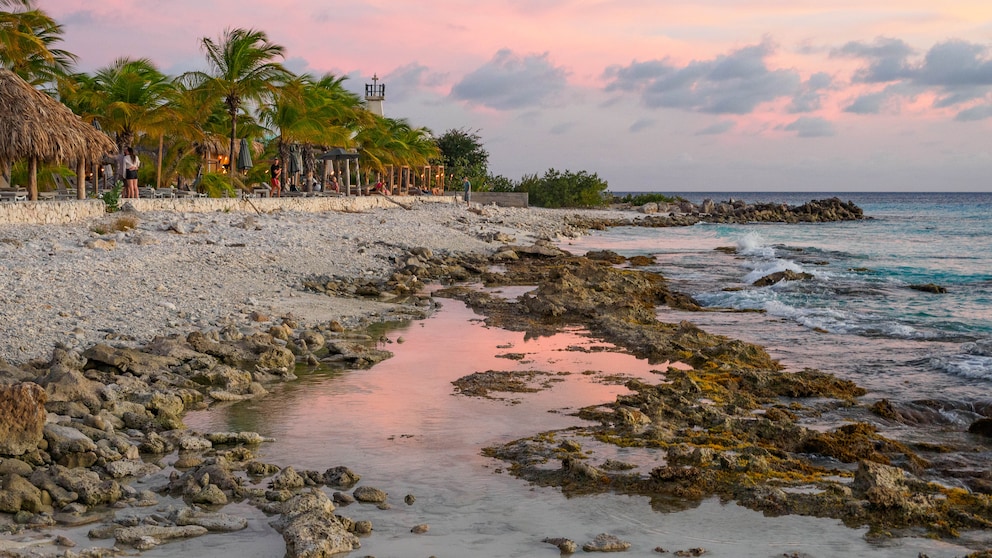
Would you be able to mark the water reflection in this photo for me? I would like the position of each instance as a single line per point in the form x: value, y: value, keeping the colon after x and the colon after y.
x: 402, y: 427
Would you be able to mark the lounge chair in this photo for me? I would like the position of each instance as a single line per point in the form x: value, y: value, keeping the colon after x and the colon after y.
x: 61, y: 191
x: 146, y: 192
x: 11, y: 193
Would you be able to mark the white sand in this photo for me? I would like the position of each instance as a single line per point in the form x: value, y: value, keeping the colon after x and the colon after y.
x: 179, y: 272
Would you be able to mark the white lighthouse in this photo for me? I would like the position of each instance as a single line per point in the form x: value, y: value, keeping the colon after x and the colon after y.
x: 375, y: 93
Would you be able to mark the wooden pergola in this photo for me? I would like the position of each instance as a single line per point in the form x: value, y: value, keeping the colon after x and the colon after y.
x: 36, y: 127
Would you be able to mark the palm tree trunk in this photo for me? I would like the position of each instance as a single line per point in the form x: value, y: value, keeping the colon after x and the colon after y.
x: 33, y: 178
x: 80, y: 179
x: 230, y: 152
x: 158, y: 171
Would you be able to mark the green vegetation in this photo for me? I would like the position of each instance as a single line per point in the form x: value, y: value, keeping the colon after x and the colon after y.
x: 564, y: 189
x: 191, y: 125
x: 217, y: 185
x: 464, y: 155
x: 112, y: 198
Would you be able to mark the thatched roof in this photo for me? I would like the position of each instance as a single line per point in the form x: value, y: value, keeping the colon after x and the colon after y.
x: 37, y: 126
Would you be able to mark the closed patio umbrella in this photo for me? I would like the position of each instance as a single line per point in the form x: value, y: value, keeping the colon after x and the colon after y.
x: 295, y: 165
x: 244, y: 156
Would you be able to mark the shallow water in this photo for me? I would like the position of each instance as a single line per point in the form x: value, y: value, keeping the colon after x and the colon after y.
x: 401, y: 426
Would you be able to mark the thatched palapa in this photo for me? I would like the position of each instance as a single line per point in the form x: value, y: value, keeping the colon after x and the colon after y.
x: 36, y: 127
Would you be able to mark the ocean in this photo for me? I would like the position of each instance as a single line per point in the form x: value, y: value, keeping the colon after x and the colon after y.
x: 857, y: 317
x: 404, y: 429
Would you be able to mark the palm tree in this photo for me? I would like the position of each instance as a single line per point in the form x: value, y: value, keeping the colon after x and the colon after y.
x: 390, y: 141
x: 243, y: 70
x: 308, y: 112
x: 26, y: 38
x: 130, y: 96
x: 196, y: 125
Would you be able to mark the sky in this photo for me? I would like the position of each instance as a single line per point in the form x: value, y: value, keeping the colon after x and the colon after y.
x: 650, y: 95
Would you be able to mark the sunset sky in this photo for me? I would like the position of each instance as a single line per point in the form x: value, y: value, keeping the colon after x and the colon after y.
x: 652, y: 95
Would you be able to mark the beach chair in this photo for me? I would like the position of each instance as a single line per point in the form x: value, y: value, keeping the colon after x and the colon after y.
x: 146, y: 192
x: 61, y: 191
x: 13, y: 194
x: 165, y: 192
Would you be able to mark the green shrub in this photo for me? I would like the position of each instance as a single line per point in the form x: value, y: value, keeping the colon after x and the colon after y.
x: 112, y: 198
x: 565, y: 189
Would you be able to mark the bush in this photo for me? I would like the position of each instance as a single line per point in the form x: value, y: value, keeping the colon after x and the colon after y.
x: 567, y: 189
x: 112, y: 198
x: 499, y: 183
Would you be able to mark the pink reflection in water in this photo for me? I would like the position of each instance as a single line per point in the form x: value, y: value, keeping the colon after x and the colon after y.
x: 409, y: 400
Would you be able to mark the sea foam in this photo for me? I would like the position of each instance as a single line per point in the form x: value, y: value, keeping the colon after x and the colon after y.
x: 752, y: 244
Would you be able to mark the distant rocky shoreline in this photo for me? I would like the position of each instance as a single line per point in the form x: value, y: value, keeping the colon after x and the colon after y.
x: 79, y: 426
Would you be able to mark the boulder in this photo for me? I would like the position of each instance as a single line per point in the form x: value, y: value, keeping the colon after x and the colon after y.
x: 87, y: 485
x: 369, y: 494
x: 147, y: 536
x: 310, y: 528
x: 130, y: 468
x: 19, y: 494
x: 287, y: 479
x: 929, y: 288
x: 138, y: 362
x: 883, y: 486
x: 64, y: 384
x: 69, y: 447
x: 787, y: 275
x: 605, y: 542
x: 215, y: 522
x: 22, y: 418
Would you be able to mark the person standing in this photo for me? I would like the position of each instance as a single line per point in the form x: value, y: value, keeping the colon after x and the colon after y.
x: 131, y: 164
x: 468, y: 190
x: 276, y: 173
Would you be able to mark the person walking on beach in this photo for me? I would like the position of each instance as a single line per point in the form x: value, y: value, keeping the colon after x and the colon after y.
x: 468, y: 190
x: 131, y: 164
x: 276, y: 172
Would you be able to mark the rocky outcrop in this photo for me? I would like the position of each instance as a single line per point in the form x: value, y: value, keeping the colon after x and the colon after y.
x: 686, y: 213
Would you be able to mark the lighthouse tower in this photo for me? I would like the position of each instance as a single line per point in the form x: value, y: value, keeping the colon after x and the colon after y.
x: 375, y: 93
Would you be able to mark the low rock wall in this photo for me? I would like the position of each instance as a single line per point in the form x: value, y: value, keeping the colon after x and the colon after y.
x: 62, y: 212
x: 50, y: 212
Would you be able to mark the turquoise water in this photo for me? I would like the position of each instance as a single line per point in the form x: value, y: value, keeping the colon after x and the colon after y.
x: 857, y: 316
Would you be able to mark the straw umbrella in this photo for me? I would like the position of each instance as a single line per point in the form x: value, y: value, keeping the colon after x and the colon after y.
x: 39, y: 128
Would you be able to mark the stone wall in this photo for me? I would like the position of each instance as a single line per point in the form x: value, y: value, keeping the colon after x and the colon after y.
x: 62, y: 212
